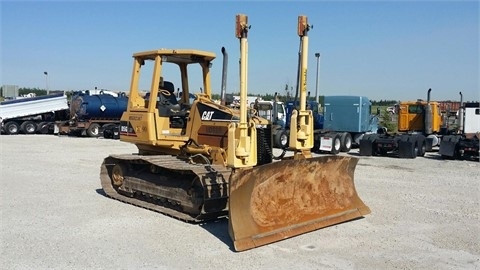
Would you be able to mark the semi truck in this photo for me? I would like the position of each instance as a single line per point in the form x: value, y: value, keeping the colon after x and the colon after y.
x: 33, y: 115
x: 464, y: 143
x: 420, y: 128
x: 345, y: 119
x: 94, y: 115
x: 341, y: 125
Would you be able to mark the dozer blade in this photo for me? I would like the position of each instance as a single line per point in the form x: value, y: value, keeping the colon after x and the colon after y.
x: 283, y: 199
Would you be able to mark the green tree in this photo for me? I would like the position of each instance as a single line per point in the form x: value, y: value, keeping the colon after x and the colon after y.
x: 388, y: 121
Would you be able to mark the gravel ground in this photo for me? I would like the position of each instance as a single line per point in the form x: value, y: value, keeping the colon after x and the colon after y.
x: 425, y: 215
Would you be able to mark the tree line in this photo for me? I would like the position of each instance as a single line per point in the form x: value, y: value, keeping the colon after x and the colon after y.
x: 41, y: 92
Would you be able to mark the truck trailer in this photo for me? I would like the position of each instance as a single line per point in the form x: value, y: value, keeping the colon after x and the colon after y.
x: 94, y: 115
x: 33, y: 114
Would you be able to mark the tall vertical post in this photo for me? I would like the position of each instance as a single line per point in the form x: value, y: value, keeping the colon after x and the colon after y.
x: 301, y: 139
x: 46, y: 81
x: 317, y: 55
x: 224, y: 76
x: 242, y: 135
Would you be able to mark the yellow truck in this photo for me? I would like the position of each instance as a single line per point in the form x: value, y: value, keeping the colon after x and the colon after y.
x: 420, y: 127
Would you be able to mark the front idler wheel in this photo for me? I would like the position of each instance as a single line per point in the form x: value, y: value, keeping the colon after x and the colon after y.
x: 118, y: 175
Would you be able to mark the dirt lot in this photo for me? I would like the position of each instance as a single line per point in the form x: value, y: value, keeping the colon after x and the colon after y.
x: 425, y: 215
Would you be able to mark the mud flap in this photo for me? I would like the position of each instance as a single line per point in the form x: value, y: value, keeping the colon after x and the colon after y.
x: 366, y: 145
x: 283, y: 199
x: 448, y: 146
x: 406, y: 147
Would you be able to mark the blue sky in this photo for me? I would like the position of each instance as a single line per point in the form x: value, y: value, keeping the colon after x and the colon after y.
x: 392, y: 50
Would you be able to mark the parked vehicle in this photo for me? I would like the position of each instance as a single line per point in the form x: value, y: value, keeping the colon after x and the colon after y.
x: 391, y: 109
x: 94, y: 115
x: 420, y: 127
x: 275, y: 113
x: 344, y: 121
x: 464, y: 144
x: 30, y: 115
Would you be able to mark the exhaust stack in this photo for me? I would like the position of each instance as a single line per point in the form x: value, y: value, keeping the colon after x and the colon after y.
x: 224, y: 76
x: 460, y: 114
x: 428, y: 115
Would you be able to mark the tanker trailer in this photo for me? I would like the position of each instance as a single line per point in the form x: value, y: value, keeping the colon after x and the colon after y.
x: 94, y: 115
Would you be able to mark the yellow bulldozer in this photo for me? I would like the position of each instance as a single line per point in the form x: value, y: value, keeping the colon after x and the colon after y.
x: 200, y: 160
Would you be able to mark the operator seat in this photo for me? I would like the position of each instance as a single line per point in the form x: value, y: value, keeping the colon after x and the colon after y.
x: 172, y: 99
x: 167, y: 104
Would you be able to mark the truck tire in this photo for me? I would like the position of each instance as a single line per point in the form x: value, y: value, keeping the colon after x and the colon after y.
x: 109, y: 130
x: 93, y: 130
x: 28, y: 127
x: 12, y: 128
x: 346, y: 142
x: 43, y: 127
x: 336, y: 144
x: 281, y: 139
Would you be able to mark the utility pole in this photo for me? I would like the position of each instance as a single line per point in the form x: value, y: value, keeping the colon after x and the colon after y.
x: 46, y: 81
x: 317, y: 55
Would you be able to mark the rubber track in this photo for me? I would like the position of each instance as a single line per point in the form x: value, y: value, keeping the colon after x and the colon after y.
x: 165, y: 162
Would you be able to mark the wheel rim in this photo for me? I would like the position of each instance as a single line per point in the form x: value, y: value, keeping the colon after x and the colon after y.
x: 95, y: 130
x: 348, y: 142
x: 12, y: 129
x: 337, y: 144
x: 283, y: 140
x: 30, y: 128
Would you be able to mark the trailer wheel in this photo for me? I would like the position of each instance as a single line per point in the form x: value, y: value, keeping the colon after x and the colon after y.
x: 336, y: 145
x: 281, y: 139
x: 28, y: 127
x: 93, y: 130
x: 42, y: 128
x: 12, y: 128
x: 346, y: 142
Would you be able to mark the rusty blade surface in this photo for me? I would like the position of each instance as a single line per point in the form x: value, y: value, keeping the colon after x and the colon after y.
x: 283, y: 199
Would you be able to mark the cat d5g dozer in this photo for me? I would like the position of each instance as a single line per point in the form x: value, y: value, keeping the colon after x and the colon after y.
x: 204, y: 160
